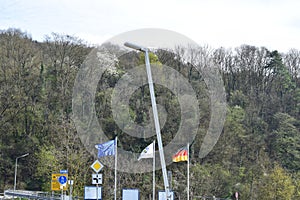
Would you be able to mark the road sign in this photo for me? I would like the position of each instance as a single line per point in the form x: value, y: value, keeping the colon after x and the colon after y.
x: 62, y: 180
x: 70, y: 182
x: 55, y: 184
x: 130, y: 194
x: 97, y: 166
x: 92, y: 193
x: 63, y: 171
x: 236, y: 195
x: 96, y: 179
x: 162, y: 195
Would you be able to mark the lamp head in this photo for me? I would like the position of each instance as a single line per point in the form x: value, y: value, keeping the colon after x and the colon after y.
x: 136, y: 47
x: 24, y: 155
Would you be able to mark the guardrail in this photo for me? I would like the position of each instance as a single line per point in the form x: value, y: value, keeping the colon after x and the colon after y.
x: 10, y: 194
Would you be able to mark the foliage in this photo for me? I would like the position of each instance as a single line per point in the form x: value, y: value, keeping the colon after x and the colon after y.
x: 256, y: 155
x: 277, y: 185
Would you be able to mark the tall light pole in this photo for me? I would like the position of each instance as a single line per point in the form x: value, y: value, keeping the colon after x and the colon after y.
x: 16, y: 167
x: 155, y: 115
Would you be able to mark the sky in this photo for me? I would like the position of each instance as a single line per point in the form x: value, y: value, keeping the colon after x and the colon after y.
x: 274, y: 24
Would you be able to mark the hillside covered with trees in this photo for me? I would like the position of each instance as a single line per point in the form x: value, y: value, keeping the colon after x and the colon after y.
x: 257, y: 154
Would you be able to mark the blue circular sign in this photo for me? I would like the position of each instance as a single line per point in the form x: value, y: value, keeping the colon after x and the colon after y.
x: 62, y: 179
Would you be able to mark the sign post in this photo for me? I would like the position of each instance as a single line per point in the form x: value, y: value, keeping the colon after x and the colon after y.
x: 97, y: 178
x: 71, y: 182
x: 63, y: 182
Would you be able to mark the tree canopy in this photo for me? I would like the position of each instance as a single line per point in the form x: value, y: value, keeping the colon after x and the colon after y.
x: 257, y: 153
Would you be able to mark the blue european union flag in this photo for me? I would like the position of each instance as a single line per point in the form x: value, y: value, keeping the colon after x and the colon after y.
x: 106, y: 149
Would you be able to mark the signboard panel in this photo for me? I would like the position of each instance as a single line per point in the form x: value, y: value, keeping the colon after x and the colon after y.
x: 130, y: 194
x: 63, y: 171
x: 96, y: 179
x: 162, y: 195
x: 90, y: 193
x: 55, y: 181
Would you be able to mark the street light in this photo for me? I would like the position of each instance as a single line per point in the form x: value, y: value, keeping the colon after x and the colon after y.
x: 16, y: 167
x: 155, y: 115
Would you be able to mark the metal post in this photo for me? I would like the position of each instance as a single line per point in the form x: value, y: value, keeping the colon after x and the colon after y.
x: 116, y: 165
x: 170, y: 178
x: 16, y: 168
x: 188, y: 171
x: 97, y: 189
x: 70, y: 182
x: 62, y: 192
x: 15, y: 181
x: 153, y: 172
x: 155, y: 115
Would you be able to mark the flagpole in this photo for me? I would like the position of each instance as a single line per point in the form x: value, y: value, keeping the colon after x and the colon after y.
x: 188, y: 171
x: 153, y: 195
x: 116, y: 164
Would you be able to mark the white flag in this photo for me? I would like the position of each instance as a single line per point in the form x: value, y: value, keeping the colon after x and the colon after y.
x: 147, y: 152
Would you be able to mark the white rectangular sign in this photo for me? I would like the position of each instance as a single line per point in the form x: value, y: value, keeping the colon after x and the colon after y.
x: 90, y: 193
x: 162, y: 195
x: 130, y: 194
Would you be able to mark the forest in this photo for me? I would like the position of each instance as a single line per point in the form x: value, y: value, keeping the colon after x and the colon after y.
x: 257, y: 154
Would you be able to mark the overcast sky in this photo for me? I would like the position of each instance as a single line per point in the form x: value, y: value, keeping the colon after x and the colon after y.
x: 274, y: 24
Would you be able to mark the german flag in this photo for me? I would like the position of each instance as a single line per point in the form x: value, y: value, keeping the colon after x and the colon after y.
x: 181, y: 155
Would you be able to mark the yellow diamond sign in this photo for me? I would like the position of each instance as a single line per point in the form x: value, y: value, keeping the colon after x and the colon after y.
x: 97, y: 166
